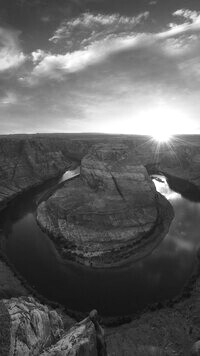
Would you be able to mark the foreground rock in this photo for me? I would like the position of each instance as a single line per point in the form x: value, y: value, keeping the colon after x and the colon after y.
x: 79, y: 340
x: 111, y: 215
x: 27, y: 327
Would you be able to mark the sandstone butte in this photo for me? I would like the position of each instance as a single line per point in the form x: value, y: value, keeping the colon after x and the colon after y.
x: 109, y: 216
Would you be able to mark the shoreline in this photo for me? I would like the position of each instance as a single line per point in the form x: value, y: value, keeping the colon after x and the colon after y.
x: 162, y: 223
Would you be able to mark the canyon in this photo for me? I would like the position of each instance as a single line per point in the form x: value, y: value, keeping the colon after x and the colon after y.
x: 109, y: 216
x: 115, y: 172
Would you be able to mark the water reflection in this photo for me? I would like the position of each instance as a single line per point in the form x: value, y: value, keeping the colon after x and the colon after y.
x: 184, y: 231
x: 69, y: 174
x: 159, y: 276
x: 163, y: 188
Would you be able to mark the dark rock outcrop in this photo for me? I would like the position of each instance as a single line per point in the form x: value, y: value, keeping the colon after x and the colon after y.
x: 111, y: 215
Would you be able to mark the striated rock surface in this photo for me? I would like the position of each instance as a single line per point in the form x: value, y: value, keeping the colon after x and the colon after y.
x: 80, y: 340
x: 28, y: 327
x: 110, y: 215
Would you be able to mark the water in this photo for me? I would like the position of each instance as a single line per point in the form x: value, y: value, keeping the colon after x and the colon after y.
x: 157, y: 277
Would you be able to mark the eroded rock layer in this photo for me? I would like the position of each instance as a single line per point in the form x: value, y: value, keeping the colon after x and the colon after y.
x: 80, y: 340
x: 27, y: 327
x: 111, y: 214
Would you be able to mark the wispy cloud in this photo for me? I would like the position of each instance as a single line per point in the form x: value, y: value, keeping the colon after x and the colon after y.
x: 10, y: 54
x: 88, y: 40
x: 57, y: 66
x: 190, y: 23
x: 89, y: 28
x: 97, y: 37
x: 191, y: 16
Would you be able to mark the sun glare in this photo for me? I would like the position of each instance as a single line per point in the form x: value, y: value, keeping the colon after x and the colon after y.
x: 163, y: 122
x: 162, y: 137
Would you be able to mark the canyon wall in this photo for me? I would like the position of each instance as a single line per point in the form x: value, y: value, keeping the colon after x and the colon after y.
x: 29, y: 160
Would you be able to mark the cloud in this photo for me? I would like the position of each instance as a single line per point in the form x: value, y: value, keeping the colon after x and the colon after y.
x: 8, y: 99
x: 38, y: 55
x: 191, y: 25
x: 88, y: 28
x: 182, y: 38
x: 191, y: 16
x: 56, y: 66
x: 10, y: 54
x: 91, y: 39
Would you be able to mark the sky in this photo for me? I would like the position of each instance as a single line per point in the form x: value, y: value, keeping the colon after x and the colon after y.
x: 115, y: 66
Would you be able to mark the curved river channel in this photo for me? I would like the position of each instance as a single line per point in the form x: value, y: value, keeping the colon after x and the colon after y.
x: 117, y: 292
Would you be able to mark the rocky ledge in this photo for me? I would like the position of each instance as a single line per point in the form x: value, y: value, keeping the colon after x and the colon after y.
x: 109, y: 216
x: 28, y: 328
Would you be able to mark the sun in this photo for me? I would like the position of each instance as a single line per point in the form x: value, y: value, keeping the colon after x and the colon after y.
x: 163, y: 122
x: 162, y: 137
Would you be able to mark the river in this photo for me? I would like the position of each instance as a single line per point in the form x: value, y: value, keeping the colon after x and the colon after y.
x: 123, y: 291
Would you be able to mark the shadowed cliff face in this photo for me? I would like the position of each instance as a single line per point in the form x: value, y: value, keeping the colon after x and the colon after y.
x: 28, y: 161
x: 111, y: 215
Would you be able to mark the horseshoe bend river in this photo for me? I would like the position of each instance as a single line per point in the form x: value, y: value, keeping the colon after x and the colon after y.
x: 118, y: 292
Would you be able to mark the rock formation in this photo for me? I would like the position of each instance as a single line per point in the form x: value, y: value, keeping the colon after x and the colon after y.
x: 111, y: 215
x: 27, y: 327
x: 79, y: 340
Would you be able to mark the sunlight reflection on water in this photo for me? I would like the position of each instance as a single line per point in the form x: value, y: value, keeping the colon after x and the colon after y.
x: 70, y: 174
x: 184, y: 230
x: 163, y: 188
